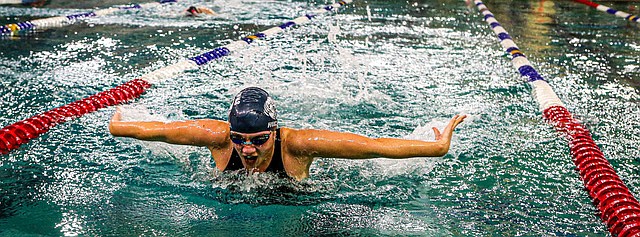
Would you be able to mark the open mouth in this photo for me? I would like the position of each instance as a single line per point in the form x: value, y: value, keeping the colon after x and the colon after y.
x: 251, y: 157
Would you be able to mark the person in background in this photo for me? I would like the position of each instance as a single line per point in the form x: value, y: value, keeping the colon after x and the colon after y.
x: 196, y: 11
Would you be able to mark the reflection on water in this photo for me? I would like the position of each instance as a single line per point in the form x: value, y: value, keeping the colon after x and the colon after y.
x: 539, y: 24
x: 378, y: 68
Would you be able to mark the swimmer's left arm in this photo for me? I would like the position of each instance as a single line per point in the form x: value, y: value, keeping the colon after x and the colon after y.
x: 330, y: 144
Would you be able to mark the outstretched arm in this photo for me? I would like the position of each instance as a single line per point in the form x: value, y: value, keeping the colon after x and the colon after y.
x: 206, y: 10
x: 204, y: 132
x: 319, y: 143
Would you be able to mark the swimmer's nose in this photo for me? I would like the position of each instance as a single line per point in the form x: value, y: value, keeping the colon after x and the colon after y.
x: 248, y: 150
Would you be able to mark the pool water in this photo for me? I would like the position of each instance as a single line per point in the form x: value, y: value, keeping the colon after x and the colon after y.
x: 377, y: 68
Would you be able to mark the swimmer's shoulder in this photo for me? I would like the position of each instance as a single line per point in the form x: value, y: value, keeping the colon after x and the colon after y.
x: 213, y: 124
x: 286, y: 132
x: 303, y: 133
x: 297, y: 140
x: 214, y: 134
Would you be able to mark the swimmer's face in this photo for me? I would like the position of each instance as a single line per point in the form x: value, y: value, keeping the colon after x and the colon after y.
x: 255, y: 149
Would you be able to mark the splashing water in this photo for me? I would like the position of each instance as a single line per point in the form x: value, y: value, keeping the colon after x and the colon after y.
x: 381, y: 69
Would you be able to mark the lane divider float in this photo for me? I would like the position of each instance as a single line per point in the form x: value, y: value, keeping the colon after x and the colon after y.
x: 629, y: 17
x: 7, y: 2
x: 14, y: 135
x: 619, y: 209
x: 59, y: 21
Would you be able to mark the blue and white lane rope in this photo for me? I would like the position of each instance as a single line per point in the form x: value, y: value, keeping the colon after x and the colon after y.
x: 543, y: 93
x: 609, y: 10
x: 192, y: 63
x: 618, y: 207
x: 14, y: 29
x: 7, y: 2
x: 21, y: 132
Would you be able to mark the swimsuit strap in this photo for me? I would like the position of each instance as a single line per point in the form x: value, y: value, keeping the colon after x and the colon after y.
x: 276, y: 164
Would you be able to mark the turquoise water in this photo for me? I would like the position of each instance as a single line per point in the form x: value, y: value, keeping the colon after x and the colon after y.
x: 378, y: 68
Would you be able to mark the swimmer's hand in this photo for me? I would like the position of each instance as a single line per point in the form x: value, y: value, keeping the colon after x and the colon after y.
x: 448, y: 130
x: 117, y: 116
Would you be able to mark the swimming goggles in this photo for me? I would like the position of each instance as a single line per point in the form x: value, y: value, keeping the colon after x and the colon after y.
x: 257, y: 141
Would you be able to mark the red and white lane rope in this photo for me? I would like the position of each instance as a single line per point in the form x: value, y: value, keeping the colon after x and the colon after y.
x: 14, y: 135
x: 632, y: 18
x: 59, y: 21
x: 618, y: 207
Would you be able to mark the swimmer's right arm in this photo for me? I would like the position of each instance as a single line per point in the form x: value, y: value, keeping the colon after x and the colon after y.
x: 204, y: 132
x: 207, y: 11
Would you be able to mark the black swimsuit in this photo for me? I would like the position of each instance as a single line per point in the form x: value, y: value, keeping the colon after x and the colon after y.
x: 276, y: 161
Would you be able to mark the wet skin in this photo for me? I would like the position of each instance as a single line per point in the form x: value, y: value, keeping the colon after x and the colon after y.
x: 255, y: 158
x: 299, y: 147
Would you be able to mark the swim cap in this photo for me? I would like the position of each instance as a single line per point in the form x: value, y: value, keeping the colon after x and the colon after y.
x: 252, y: 111
x: 193, y: 10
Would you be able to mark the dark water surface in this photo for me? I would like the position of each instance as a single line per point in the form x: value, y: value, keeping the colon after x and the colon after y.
x: 378, y: 68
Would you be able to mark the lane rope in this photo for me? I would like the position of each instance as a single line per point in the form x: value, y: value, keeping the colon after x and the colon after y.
x: 618, y: 207
x: 629, y: 17
x: 14, y: 135
x: 59, y: 21
x: 8, y: 2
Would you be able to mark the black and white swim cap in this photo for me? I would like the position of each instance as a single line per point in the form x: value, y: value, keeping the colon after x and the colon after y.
x: 252, y: 110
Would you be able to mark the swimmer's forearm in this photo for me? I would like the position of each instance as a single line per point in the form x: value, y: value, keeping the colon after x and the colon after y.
x: 399, y: 148
x: 384, y: 148
x: 210, y: 133
x: 329, y: 144
x: 149, y: 131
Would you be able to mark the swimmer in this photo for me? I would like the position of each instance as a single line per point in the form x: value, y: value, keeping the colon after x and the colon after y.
x: 195, y: 11
x: 252, y: 140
